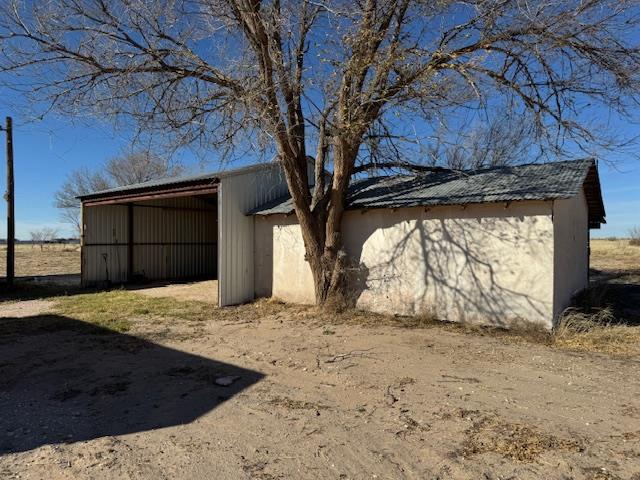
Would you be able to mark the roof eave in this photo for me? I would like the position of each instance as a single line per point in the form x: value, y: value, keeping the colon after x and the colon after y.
x: 593, y: 195
x: 151, y: 193
x: 267, y: 212
x: 176, y: 182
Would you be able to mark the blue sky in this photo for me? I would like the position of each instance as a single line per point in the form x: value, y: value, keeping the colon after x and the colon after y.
x: 46, y: 151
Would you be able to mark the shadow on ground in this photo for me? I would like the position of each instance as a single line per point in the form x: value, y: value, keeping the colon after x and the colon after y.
x: 32, y: 288
x: 617, y: 290
x: 63, y: 381
x: 45, y: 286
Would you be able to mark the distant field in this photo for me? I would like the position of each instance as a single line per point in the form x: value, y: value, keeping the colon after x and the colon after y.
x: 607, y: 255
x: 55, y: 259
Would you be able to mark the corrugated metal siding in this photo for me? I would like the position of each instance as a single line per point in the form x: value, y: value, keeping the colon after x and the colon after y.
x: 173, y: 238
x: 239, y: 194
x: 189, y: 237
x: 106, y: 225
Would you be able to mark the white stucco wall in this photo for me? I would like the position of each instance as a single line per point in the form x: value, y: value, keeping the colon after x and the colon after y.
x: 485, y: 263
x: 571, y: 250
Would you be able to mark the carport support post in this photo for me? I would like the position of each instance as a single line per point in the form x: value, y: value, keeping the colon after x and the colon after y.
x: 130, y: 242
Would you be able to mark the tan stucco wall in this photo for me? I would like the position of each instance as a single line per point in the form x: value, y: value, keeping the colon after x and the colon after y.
x: 571, y: 250
x: 485, y: 263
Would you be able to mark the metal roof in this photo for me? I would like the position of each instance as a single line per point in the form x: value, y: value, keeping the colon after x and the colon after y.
x: 206, y: 178
x: 545, y: 181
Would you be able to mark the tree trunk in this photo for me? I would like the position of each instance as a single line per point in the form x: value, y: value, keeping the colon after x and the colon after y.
x: 324, y: 241
x: 328, y: 269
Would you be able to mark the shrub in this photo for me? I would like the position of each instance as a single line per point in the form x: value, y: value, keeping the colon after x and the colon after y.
x: 634, y: 235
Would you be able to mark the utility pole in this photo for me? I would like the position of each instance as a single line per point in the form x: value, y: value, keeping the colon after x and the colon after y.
x: 9, y: 197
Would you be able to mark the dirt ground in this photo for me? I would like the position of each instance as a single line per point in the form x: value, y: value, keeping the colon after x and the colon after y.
x: 306, y: 400
x: 270, y: 391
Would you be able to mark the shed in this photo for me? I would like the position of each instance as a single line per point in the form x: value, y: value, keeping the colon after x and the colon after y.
x: 491, y: 246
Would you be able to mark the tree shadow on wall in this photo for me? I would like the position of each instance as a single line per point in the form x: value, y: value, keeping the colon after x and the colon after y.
x: 63, y: 381
x: 451, y: 265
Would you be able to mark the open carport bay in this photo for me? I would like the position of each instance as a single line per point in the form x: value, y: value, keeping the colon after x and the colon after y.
x: 157, y: 239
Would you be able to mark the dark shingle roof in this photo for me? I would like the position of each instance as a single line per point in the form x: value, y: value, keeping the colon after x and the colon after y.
x: 498, y: 184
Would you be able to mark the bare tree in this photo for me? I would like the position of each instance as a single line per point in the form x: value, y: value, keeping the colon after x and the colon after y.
x: 79, y: 182
x: 139, y: 167
x: 358, y: 84
x: 506, y: 139
x: 43, y: 236
x: 123, y: 170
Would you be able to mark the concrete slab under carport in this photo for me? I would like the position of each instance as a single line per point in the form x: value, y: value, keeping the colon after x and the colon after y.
x: 198, y: 291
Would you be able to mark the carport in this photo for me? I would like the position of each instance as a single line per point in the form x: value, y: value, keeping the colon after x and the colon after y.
x: 178, y: 229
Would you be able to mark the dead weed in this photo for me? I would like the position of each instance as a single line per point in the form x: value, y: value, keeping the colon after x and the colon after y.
x: 585, y: 328
x: 457, y: 414
x: 594, y: 473
x: 291, y: 404
x: 513, y: 440
x: 596, y: 332
x: 518, y: 330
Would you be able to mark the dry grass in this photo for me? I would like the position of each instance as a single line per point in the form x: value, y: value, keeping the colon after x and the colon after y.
x: 54, y: 259
x: 616, y: 254
x: 586, y: 329
x: 589, y: 328
x: 512, y: 440
x: 118, y: 309
x: 596, y: 332
x: 606, y: 318
x: 518, y: 331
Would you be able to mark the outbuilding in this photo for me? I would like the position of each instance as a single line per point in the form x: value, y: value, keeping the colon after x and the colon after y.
x: 490, y: 246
